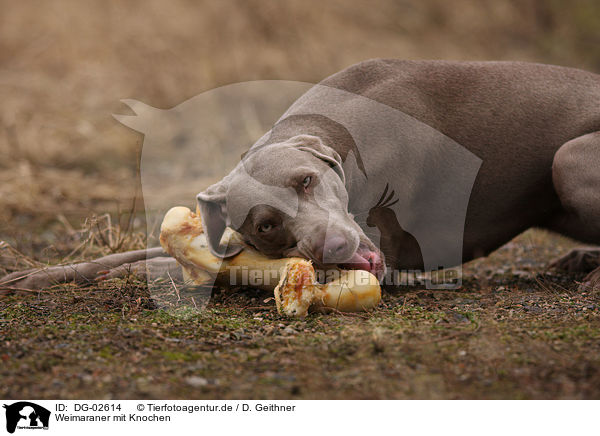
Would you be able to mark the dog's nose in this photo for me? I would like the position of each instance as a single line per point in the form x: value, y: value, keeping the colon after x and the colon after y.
x: 335, y: 249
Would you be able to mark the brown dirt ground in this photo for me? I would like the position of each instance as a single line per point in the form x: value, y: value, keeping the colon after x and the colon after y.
x: 511, y: 331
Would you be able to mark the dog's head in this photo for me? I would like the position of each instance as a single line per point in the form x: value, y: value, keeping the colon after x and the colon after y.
x: 289, y: 199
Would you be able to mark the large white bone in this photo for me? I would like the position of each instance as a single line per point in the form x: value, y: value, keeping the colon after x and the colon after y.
x: 291, y: 279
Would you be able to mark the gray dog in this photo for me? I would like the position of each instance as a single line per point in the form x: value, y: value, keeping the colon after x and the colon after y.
x: 534, y: 130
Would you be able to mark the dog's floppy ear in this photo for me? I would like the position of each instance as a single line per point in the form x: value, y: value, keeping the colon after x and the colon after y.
x: 314, y: 145
x: 211, y: 203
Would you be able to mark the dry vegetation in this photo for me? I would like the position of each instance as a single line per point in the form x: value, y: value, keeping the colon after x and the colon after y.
x: 65, y: 163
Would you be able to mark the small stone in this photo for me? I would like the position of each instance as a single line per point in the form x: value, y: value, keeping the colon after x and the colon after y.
x: 87, y: 378
x: 196, y: 382
x: 289, y: 330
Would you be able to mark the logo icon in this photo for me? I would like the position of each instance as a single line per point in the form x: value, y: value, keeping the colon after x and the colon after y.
x: 26, y: 415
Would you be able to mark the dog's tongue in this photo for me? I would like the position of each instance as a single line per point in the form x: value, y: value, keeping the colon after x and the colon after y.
x: 357, y: 262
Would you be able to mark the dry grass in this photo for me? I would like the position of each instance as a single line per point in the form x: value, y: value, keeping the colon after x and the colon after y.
x: 510, y: 332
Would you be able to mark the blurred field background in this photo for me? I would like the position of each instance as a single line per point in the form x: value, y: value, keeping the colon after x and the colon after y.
x: 65, y: 163
x: 65, y: 65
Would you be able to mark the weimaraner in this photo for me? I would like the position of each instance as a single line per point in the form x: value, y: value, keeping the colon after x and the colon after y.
x: 535, y: 130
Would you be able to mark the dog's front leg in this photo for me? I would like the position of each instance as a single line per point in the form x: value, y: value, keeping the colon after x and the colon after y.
x: 153, y: 260
x: 149, y: 269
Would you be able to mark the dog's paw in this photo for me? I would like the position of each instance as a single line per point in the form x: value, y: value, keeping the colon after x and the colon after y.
x: 578, y: 260
x: 591, y: 282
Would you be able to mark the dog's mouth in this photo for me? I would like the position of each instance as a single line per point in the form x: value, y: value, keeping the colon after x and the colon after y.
x: 366, y: 259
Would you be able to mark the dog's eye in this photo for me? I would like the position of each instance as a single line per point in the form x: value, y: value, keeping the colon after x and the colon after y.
x: 306, y: 181
x: 265, y: 227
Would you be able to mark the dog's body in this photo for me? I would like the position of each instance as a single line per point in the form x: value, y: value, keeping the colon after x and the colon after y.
x: 514, y: 116
x: 533, y: 129
x: 536, y: 129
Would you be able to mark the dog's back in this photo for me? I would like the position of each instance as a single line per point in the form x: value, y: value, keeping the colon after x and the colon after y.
x: 513, y: 115
x: 469, y: 100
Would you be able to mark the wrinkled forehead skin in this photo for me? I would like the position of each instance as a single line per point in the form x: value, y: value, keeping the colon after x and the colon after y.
x: 268, y: 175
x: 258, y: 179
